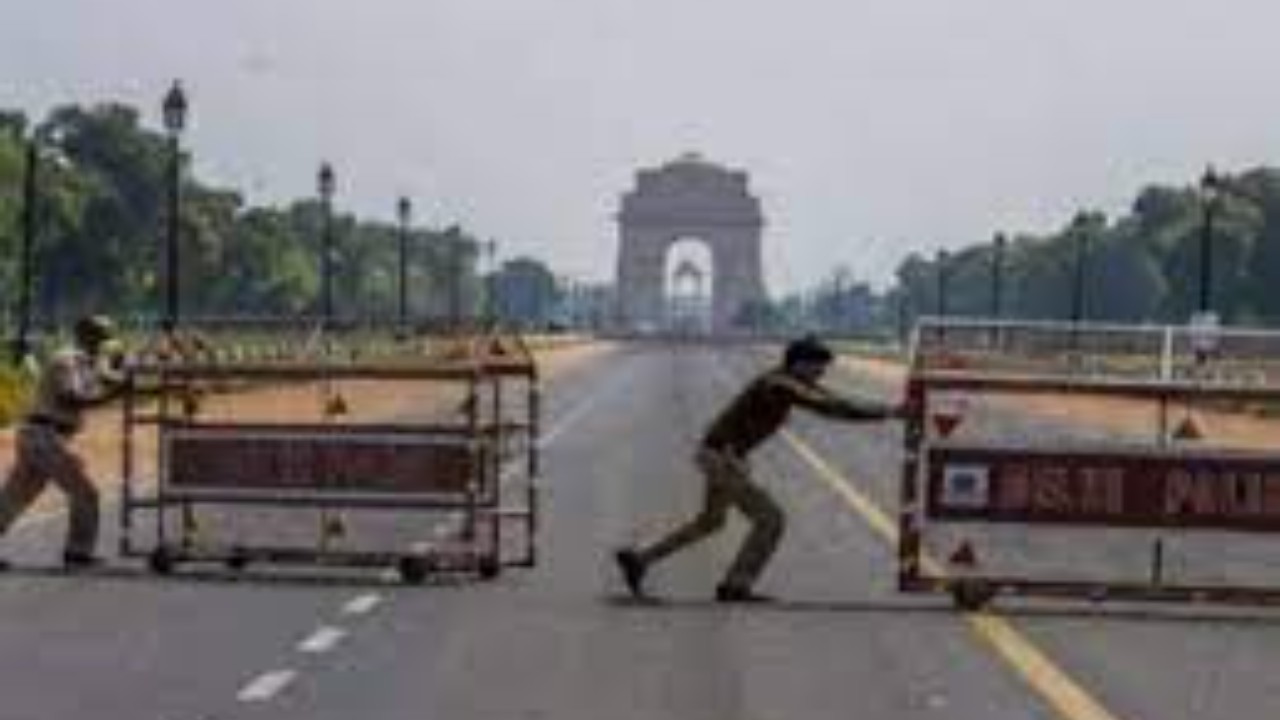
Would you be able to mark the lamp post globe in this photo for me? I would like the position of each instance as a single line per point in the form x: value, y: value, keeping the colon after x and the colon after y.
x: 175, y: 109
x: 326, y: 181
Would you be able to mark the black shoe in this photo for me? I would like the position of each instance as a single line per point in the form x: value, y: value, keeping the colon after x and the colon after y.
x: 743, y: 595
x: 5, y: 566
x: 81, y: 561
x: 633, y: 570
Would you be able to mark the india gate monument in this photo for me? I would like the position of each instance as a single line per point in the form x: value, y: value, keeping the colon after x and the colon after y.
x: 688, y: 201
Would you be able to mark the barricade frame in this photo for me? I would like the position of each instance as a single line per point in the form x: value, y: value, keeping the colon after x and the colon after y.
x: 499, y: 494
x: 1194, y: 374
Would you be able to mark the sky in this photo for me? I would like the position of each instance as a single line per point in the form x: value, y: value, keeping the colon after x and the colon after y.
x: 870, y: 128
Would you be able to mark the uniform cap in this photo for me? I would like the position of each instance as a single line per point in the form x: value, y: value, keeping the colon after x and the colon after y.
x: 807, y: 349
x: 95, y: 327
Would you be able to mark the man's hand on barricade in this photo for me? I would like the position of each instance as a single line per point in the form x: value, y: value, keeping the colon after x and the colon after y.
x: 110, y: 363
x: 191, y: 399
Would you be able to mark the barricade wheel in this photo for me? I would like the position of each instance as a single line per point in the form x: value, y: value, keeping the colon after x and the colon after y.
x: 488, y: 567
x: 971, y: 595
x: 413, y: 569
x: 161, y: 561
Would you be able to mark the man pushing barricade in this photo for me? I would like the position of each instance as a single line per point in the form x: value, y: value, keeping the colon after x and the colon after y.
x: 756, y: 414
x: 74, y: 379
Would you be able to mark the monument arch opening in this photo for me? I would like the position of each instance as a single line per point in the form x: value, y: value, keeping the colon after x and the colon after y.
x: 689, y: 286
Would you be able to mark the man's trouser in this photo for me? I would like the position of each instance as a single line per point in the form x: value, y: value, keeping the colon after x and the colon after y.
x: 728, y: 484
x: 43, y: 457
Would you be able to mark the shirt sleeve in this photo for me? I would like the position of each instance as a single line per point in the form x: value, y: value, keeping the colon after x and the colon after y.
x: 67, y: 379
x: 822, y: 401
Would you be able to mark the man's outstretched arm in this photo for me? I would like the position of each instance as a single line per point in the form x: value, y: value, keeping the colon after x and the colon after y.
x: 826, y: 403
x: 88, y: 387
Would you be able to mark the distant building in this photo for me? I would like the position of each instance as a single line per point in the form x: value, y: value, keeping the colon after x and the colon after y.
x: 587, y: 306
x: 525, y: 293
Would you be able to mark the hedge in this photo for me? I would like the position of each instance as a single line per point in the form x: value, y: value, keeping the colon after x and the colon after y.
x: 15, y: 392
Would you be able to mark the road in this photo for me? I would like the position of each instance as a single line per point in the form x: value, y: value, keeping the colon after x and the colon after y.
x: 559, y: 642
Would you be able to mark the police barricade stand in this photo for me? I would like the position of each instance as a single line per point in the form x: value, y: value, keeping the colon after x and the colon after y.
x: 221, y: 466
x: 1091, y: 461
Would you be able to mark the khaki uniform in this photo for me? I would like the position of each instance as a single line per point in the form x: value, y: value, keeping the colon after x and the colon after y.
x: 728, y: 485
x: 44, y: 454
x: 750, y: 419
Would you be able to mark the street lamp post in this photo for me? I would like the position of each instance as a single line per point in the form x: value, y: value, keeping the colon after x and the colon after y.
x: 175, y: 120
x: 1082, y: 253
x: 404, y: 211
x: 998, y: 247
x: 455, y: 278
x: 1210, y: 187
x: 837, y: 302
x: 903, y: 317
x: 574, y: 309
x: 491, y: 283
x: 944, y: 279
x: 26, y: 270
x: 326, y: 184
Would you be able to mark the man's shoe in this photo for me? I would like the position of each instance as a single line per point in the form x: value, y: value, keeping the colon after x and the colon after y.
x: 81, y: 561
x: 5, y: 566
x: 633, y: 570
x: 741, y: 595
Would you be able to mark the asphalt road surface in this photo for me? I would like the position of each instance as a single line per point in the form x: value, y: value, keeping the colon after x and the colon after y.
x: 559, y: 642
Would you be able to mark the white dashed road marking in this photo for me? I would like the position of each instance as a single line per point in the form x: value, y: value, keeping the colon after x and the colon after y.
x: 266, y: 686
x: 362, y: 604
x: 322, y: 640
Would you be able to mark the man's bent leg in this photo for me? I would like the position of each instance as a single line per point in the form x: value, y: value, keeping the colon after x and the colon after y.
x: 707, y: 522
x: 25, y: 482
x: 767, y: 525
x: 68, y: 473
x: 715, y: 504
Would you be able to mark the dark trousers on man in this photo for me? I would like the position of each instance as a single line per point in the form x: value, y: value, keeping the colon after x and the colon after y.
x: 43, y: 456
x: 728, y: 485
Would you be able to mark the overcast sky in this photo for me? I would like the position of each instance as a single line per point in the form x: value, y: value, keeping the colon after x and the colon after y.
x: 870, y: 127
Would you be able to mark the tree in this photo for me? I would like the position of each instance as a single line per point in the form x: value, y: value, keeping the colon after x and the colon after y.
x: 12, y: 169
x: 1143, y: 267
x: 1125, y: 281
x: 103, y: 203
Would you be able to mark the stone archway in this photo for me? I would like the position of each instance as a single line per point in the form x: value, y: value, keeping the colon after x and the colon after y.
x: 689, y: 197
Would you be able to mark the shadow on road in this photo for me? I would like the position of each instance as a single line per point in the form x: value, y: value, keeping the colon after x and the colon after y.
x: 290, y: 578
x: 1221, y: 617
x: 670, y: 604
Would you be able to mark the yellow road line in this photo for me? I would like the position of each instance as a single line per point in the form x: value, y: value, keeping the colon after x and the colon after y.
x: 878, y: 519
x: 1049, y: 681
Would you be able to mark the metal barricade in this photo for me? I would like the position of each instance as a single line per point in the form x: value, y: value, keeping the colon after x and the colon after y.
x: 420, y: 459
x: 1091, y: 461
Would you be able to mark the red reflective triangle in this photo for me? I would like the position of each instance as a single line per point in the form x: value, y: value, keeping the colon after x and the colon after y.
x: 1188, y: 429
x: 946, y: 422
x: 964, y: 555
